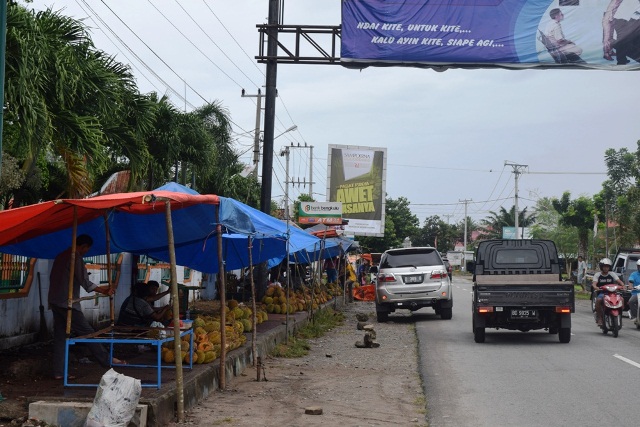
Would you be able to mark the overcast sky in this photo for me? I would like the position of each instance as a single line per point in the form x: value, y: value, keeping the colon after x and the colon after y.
x: 448, y: 134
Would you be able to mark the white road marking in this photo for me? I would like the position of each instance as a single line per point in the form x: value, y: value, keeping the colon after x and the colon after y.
x: 629, y: 361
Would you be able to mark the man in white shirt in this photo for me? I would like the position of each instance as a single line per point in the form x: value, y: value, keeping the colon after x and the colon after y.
x: 554, y: 33
x: 582, y: 270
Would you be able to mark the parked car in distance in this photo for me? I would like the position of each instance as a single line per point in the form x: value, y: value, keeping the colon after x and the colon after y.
x: 413, y: 278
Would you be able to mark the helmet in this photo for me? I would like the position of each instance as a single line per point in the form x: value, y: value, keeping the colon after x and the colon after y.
x: 605, y: 261
x: 638, y: 262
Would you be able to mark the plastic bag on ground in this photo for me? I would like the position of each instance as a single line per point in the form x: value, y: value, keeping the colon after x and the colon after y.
x: 115, y: 402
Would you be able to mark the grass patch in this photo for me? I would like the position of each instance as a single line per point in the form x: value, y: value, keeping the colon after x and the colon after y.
x: 580, y: 294
x: 295, y: 347
x: 298, y: 345
x: 323, y: 321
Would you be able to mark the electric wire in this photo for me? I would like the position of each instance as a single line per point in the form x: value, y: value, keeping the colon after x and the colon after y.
x: 153, y: 51
x: 132, y: 63
x: 233, y: 38
x: 135, y: 55
x: 210, y: 39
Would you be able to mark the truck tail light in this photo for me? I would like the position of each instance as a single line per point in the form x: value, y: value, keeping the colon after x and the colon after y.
x: 485, y: 309
x: 563, y: 309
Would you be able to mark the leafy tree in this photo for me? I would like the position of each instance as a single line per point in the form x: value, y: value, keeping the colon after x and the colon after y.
x: 436, y: 233
x: 548, y: 226
x: 400, y: 222
x: 578, y: 213
x: 620, y: 195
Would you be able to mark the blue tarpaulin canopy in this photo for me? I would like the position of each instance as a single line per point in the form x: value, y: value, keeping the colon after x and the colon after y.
x: 137, y: 223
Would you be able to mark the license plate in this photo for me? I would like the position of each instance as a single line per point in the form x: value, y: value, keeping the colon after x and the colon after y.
x: 413, y: 279
x: 523, y: 314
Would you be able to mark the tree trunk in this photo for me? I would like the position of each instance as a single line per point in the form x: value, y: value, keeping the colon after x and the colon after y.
x: 583, y: 244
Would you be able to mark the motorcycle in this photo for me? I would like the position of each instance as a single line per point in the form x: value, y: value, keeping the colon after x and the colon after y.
x: 632, y: 315
x: 613, y: 304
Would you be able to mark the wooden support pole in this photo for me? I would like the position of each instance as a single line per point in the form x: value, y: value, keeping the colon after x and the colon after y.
x: 112, y: 286
x: 176, y: 314
x: 222, y: 383
x: 72, y: 270
x: 254, y: 320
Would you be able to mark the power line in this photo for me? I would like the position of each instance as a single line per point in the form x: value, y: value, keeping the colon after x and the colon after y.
x: 439, y: 168
x: 210, y: 39
x: 566, y: 173
x: 135, y: 55
x: 153, y: 51
x: 117, y: 47
x: 233, y: 38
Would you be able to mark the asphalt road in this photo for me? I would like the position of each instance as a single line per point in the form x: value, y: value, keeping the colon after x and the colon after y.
x: 526, y: 379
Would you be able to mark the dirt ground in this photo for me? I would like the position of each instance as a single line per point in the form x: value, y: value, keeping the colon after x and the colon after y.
x: 353, y: 386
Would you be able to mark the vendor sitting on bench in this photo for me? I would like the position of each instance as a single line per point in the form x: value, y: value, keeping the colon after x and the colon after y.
x: 136, y: 309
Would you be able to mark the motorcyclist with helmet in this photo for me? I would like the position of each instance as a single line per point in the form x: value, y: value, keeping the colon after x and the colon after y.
x: 634, y: 280
x: 601, y: 278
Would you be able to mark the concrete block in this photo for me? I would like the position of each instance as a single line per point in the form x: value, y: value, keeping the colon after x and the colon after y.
x: 74, y: 414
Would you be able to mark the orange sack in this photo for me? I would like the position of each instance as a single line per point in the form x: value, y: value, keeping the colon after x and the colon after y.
x: 365, y: 293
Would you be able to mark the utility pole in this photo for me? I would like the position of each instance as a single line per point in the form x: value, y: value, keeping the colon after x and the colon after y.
x: 256, y: 137
x: 285, y: 152
x: 517, y: 171
x: 463, y: 267
x: 270, y: 106
x: 311, y: 172
x: 449, y: 216
x: 606, y: 229
x: 3, y: 52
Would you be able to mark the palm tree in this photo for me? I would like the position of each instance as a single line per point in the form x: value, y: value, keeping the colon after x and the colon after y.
x: 492, y: 225
x: 73, y: 105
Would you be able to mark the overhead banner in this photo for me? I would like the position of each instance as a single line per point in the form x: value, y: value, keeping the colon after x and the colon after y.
x: 329, y: 213
x: 356, y: 177
x: 601, y: 34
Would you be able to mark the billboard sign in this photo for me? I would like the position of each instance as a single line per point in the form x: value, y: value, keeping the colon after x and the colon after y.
x: 357, y: 179
x: 510, y: 233
x: 601, y: 34
x: 329, y: 213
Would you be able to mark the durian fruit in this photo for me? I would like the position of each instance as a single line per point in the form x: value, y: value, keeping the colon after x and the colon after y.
x: 199, y: 322
x: 238, y: 326
x: 168, y: 356
x: 190, y: 354
x: 209, y: 356
x: 248, y: 327
x: 214, y: 337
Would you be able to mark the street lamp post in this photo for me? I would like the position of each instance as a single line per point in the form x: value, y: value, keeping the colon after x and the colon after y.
x: 285, y: 152
x: 292, y: 128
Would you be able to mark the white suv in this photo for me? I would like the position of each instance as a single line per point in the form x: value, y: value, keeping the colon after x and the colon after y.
x: 412, y: 278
